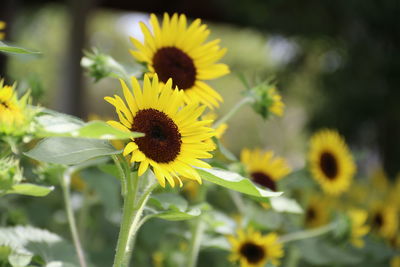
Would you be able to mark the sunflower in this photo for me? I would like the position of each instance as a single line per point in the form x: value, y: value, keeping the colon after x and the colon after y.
x: 252, y: 249
x: 358, y: 218
x: 174, y: 137
x: 175, y: 50
x: 14, y: 114
x: 331, y: 162
x: 277, y: 107
x: 384, y: 219
x: 2, y: 27
x: 263, y: 168
x: 317, y: 212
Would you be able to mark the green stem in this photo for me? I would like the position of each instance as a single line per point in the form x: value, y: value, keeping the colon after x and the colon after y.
x: 194, y: 247
x: 65, y: 186
x: 237, y: 199
x: 233, y: 111
x: 131, y: 214
x: 308, y: 233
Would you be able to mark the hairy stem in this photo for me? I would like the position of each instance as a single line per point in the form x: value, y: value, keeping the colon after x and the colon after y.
x: 194, y: 247
x: 233, y: 111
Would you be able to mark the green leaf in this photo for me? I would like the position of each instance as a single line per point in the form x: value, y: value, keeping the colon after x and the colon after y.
x: 110, y: 169
x: 17, y: 259
x: 68, y: 126
x: 16, y: 50
x: 27, y: 240
x: 70, y: 151
x: 107, y: 189
x: 283, y: 204
x: 30, y: 190
x: 172, y: 207
x: 235, y: 182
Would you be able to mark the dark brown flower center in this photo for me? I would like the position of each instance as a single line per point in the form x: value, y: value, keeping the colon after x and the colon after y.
x: 162, y: 140
x: 329, y: 165
x: 171, y: 62
x: 377, y: 221
x: 264, y: 179
x: 252, y: 252
x: 311, y: 214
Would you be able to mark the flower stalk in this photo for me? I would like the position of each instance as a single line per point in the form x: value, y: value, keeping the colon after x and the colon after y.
x: 308, y: 233
x: 233, y: 111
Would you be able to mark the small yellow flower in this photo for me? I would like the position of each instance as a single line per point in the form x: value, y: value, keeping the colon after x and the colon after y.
x: 331, y: 162
x: 264, y: 168
x: 358, y: 219
x: 395, y: 262
x: 175, y: 140
x: 277, y: 106
x: 15, y: 116
x: 252, y: 249
x: 172, y: 49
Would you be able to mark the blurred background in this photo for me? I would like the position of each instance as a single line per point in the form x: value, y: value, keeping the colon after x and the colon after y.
x: 337, y: 64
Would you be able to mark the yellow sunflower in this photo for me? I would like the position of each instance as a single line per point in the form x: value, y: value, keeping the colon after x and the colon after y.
x: 331, y: 162
x: 174, y: 137
x: 252, y: 249
x: 358, y: 219
x: 318, y: 212
x: 2, y: 27
x: 277, y: 107
x: 175, y: 50
x: 384, y: 219
x: 395, y: 261
x: 263, y: 168
x: 14, y: 115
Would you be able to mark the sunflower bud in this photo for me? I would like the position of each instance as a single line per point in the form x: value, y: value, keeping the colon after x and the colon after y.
x: 266, y: 100
x: 101, y: 65
x: 10, y: 173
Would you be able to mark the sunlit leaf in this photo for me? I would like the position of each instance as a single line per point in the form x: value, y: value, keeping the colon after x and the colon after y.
x: 70, y: 151
x: 30, y: 190
x: 235, y: 182
x: 16, y: 50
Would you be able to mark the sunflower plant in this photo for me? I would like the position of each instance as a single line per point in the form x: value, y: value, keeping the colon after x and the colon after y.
x: 159, y: 170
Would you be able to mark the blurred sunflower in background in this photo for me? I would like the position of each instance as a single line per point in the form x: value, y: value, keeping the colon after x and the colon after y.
x: 263, y: 168
x: 358, y: 220
x: 178, y: 51
x: 2, y: 27
x: 174, y: 137
x: 252, y: 249
x: 384, y: 219
x: 331, y: 163
x: 318, y: 211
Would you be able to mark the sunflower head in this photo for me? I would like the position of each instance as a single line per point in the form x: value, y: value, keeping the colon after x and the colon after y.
x: 174, y: 49
x: 331, y: 163
x: 384, y: 219
x: 252, y: 249
x: 358, y: 219
x: 2, y: 27
x: 266, y: 100
x: 263, y: 168
x: 318, y: 211
x: 175, y: 139
x: 15, y: 115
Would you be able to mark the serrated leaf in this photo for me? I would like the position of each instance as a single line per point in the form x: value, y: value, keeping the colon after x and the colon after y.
x: 30, y: 190
x: 68, y: 126
x: 235, y: 182
x: 172, y: 207
x: 168, y: 201
x: 70, y: 151
x: 178, y: 215
x: 16, y: 50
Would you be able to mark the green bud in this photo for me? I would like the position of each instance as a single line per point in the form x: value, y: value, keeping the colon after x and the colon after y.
x: 10, y: 173
x: 266, y: 100
x: 100, y: 65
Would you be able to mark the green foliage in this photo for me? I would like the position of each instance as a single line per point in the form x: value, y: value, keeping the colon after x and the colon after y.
x: 70, y: 151
x: 16, y: 50
x: 172, y: 207
x: 235, y: 182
